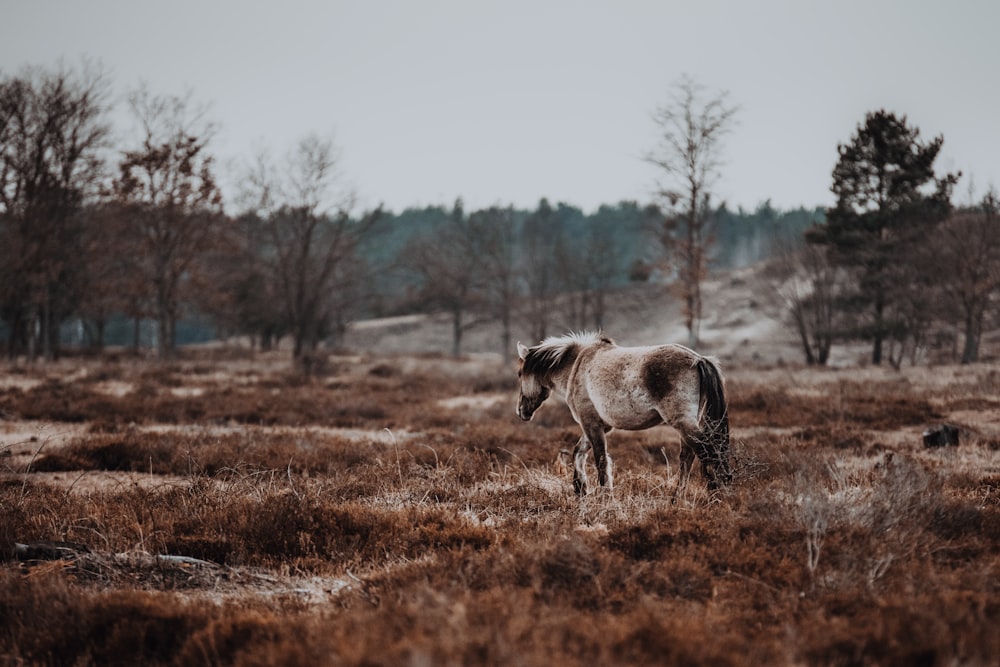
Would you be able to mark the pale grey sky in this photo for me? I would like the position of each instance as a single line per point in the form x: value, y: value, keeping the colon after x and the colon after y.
x: 507, y: 102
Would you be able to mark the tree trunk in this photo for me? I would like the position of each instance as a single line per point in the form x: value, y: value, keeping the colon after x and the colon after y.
x: 161, y: 335
x: 53, y: 349
x: 100, y: 326
x: 879, y: 331
x: 46, y: 330
x: 136, y: 332
x: 172, y: 328
x: 33, y: 338
x: 166, y: 325
x: 599, y: 309
x: 165, y: 317
x: 804, y: 338
x: 973, y: 327
x: 823, y: 345
x: 696, y: 331
x: 456, y: 332
x: 505, y: 335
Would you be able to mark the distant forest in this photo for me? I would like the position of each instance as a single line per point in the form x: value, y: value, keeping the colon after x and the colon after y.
x: 622, y: 231
x: 742, y: 237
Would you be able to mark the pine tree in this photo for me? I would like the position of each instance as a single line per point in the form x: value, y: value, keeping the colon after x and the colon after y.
x: 888, y: 199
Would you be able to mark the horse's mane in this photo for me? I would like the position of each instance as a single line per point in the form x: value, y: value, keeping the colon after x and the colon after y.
x: 553, y: 353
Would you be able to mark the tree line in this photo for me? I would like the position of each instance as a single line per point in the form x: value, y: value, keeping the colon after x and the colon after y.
x: 91, y: 229
x: 94, y: 228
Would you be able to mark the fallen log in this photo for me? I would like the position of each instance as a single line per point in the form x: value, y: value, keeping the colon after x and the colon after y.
x: 943, y: 435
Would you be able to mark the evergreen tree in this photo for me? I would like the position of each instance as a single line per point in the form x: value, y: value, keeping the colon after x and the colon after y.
x: 888, y: 198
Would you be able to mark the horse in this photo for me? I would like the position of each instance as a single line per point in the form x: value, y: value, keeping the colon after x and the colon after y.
x: 630, y: 388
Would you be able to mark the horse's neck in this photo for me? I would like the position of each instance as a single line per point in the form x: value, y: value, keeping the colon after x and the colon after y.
x: 560, y: 381
x: 560, y: 378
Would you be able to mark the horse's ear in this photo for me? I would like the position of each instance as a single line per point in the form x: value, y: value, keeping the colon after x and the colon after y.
x: 522, y: 351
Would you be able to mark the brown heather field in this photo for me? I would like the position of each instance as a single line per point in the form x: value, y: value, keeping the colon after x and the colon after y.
x: 394, y: 511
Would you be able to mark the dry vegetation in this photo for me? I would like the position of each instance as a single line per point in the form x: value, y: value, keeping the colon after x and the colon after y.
x: 395, y: 511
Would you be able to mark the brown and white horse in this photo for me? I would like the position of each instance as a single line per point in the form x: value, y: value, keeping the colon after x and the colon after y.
x: 630, y: 388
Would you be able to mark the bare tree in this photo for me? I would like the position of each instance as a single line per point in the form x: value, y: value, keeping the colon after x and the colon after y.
x: 964, y: 252
x: 540, y: 237
x: 167, y: 189
x: 447, y: 263
x: 252, y: 301
x: 584, y: 266
x: 602, y: 257
x: 499, y: 258
x: 312, y: 238
x: 53, y: 132
x: 808, y: 286
x: 574, y: 265
x: 691, y: 126
x: 107, y: 249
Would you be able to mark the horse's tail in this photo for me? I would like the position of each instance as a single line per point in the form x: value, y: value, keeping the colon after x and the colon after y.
x: 713, y: 415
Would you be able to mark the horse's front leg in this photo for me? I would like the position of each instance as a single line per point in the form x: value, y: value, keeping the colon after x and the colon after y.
x: 580, y: 466
x: 687, y: 460
x: 596, y: 435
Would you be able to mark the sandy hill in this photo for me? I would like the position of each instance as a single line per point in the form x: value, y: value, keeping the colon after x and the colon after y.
x: 743, y: 323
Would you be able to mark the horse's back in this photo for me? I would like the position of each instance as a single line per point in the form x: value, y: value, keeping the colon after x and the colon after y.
x: 654, y: 367
x: 637, y: 387
x: 665, y: 368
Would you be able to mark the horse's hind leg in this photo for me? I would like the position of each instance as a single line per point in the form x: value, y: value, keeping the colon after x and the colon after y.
x: 699, y: 443
x: 580, y: 466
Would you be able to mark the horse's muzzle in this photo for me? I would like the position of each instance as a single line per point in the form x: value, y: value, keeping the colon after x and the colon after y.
x: 527, y: 405
x: 526, y: 408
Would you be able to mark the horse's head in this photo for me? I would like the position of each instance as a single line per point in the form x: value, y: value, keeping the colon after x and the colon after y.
x: 532, y: 390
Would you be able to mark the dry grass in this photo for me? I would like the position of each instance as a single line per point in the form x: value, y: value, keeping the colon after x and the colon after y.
x: 239, y: 515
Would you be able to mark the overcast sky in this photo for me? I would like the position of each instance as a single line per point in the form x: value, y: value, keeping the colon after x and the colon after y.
x: 507, y: 102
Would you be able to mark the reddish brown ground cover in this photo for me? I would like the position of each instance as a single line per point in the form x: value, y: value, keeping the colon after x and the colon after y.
x: 395, y: 511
